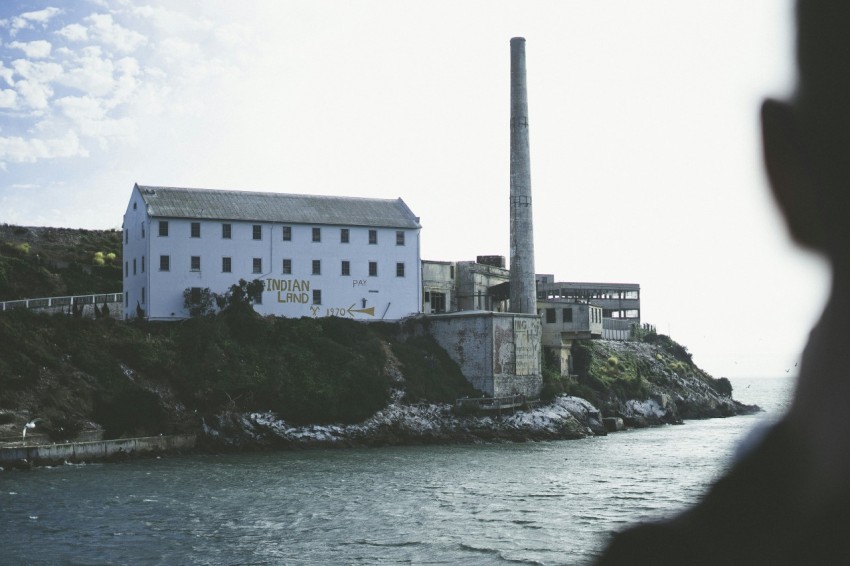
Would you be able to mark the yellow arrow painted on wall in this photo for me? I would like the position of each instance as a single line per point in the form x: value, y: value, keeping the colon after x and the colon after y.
x: 370, y: 311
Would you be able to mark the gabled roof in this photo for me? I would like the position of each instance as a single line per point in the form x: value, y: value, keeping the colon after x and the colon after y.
x: 174, y: 202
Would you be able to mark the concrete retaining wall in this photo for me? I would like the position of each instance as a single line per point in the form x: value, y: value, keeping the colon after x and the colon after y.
x: 93, y: 451
x: 498, y: 353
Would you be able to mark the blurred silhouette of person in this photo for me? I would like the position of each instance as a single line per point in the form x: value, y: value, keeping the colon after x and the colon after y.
x: 787, y: 499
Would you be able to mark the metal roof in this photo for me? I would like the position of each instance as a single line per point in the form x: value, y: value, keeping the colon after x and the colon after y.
x: 175, y: 202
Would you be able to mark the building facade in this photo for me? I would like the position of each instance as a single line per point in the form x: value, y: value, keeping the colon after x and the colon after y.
x: 316, y: 255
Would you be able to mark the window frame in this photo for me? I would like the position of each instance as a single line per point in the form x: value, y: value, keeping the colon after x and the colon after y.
x: 193, y: 260
x: 195, y: 230
x: 226, y: 231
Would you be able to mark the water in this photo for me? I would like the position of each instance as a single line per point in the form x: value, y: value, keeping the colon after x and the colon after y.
x: 535, y: 503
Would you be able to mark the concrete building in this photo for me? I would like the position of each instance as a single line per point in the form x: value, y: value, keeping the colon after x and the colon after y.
x: 317, y: 255
x: 439, y: 290
x: 620, y: 302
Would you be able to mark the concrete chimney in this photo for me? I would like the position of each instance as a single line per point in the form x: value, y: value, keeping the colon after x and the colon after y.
x: 523, y: 288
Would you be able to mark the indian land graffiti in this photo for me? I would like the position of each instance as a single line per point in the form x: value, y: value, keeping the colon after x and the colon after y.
x: 290, y: 290
x: 298, y: 291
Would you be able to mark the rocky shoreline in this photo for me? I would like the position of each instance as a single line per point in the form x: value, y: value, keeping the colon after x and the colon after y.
x: 565, y: 418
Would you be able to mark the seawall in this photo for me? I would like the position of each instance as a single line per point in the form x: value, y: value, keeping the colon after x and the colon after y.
x: 41, y: 454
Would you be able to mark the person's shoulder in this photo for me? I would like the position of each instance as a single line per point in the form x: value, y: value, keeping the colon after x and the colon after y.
x: 733, y: 523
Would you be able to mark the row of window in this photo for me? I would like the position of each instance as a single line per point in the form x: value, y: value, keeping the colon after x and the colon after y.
x: 567, y: 315
x: 257, y: 233
x: 257, y: 266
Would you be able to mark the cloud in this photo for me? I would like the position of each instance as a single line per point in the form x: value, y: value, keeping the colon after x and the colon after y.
x: 90, y: 72
x: 20, y: 150
x: 74, y: 32
x: 8, y: 97
x: 35, y: 49
x: 35, y: 87
x: 104, y: 28
x: 25, y: 20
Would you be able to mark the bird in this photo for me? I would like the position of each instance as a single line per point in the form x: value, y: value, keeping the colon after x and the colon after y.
x: 29, y: 425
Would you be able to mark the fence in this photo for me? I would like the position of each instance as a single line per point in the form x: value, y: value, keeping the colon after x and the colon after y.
x: 84, y: 303
x: 623, y: 329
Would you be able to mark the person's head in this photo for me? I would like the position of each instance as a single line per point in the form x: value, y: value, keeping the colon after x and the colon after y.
x: 807, y: 141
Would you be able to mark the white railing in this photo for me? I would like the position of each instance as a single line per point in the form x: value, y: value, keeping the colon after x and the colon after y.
x: 62, y: 302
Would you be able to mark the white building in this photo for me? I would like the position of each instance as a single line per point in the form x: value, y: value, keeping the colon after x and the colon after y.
x: 317, y: 255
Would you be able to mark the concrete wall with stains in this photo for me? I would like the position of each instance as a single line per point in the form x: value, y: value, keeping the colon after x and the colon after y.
x: 498, y: 353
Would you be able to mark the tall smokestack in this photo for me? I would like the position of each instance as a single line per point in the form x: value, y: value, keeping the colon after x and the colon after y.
x: 523, y: 287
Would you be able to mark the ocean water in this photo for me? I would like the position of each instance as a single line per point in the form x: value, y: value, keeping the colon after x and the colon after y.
x: 526, y: 503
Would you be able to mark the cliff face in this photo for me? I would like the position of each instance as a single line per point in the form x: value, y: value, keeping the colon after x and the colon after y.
x: 652, y: 381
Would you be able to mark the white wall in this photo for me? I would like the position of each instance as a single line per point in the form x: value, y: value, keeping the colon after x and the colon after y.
x: 136, y: 252
x: 357, y: 295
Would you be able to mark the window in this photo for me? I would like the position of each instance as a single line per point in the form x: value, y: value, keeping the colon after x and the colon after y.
x: 567, y: 315
x: 287, y: 267
x: 258, y: 296
x: 399, y: 238
x: 126, y: 299
x: 227, y: 231
x: 317, y: 267
x: 317, y: 234
x: 143, y: 295
x: 550, y: 316
x: 165, y: 263
x: 373, y: 269
x: 134, y: 266
x: 163, y: 227
x: 343, y: 235
x: 287, y: 233
x: 346, y: 268
x: 143, y: 230
x: 195, y: 263
x: 317, y: 296
x: 143, y: 264
x: 373, y: 236
x: 257, y: 231
x: 226, y: 265
x: 126, y: 269
x: 126, y: 236
x: 196, y: 230
x: 451, y: 271
x: 195, y: 295
x: 258, y: 265
x: 399, y: 269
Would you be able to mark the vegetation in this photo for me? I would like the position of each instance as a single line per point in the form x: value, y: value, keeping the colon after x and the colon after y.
x: 50, y: 262
x: 143, y: 378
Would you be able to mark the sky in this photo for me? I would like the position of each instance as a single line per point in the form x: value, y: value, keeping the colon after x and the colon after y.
x: 643, y: 123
